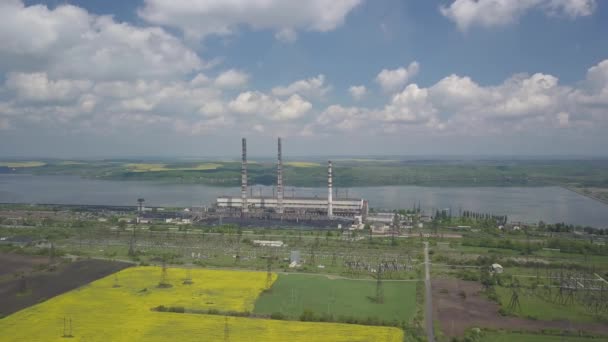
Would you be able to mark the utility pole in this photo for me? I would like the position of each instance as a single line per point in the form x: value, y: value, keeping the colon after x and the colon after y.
x: 269, y: 272
x: 226, y: 330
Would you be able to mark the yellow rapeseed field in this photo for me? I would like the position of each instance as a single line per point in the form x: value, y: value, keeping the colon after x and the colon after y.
x: 102, y: 312
x: 302, y: 164
x: 70, y: 162
x: 22, y: 164
x: 145, y: 167
x: 141, y: 167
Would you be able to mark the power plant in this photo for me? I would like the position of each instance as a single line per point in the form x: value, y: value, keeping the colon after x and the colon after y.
x: 279, y: 207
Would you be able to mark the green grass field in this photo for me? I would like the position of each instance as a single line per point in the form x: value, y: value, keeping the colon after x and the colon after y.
x: 510, y: 337
x: 292, y: 294
x: 539, y: 307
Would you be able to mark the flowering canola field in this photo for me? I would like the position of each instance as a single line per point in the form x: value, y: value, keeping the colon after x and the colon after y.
x: 102, y: 311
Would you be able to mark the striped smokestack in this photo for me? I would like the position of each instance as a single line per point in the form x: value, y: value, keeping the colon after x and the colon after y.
x: 244, y: 178
x: 280, y: 178
x: 330, y: 204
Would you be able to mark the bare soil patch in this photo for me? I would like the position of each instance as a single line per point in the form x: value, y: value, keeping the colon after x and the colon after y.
x: 12, y: 263
x: 39, y: 285
x: 460, y: 305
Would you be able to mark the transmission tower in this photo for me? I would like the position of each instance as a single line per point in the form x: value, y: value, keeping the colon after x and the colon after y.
x: 67, y: 328
x: 226, y: 330
x: 116, y: 284
x: 22, y: 284
x: 379, y: 288
x: 163, y: 275
x: 52, y: 254
x: 514, y: 302
x: 268, y: 272
x: 237, y: 257
x: 188, y: 280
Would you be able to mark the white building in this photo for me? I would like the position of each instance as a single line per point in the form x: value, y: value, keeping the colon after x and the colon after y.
x: 268, y: 243
x: 496, y: 268
x: 381, y: 218
x: 340, y: 207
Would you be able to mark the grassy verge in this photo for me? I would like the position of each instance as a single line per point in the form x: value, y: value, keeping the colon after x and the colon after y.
x: 504, y: 336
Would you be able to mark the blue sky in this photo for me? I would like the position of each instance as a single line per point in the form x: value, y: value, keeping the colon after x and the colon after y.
x: 111, y: 78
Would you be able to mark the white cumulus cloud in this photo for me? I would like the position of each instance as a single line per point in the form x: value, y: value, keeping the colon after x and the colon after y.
x: 69, y: 42
x: 357, y: 92
x: 286, y: 35
x: 37, y: 87
x: 458, y: 104
x: 337, y: 117
x: 265, y: 106
x: 232, y: 79
x: 199, y: 18
x: 490, y: 13
x: 391, y: 80
x: 313, y: 87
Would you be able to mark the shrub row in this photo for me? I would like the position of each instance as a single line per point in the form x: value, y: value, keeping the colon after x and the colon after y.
x: 310, y: 316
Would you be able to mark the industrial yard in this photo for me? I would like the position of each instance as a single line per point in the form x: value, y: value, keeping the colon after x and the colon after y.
x: 278, y: 207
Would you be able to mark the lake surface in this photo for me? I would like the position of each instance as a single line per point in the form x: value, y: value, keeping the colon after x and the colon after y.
x: 550, y: 204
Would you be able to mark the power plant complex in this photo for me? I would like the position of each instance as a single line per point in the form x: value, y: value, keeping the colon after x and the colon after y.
x: 293, y: 208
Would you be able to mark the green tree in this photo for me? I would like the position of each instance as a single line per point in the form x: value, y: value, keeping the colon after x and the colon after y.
x: 122, y: 225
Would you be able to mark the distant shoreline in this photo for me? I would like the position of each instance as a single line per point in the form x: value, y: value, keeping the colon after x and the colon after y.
x: 582, y: 193
x: 176, y: 181
x: 348, y: 173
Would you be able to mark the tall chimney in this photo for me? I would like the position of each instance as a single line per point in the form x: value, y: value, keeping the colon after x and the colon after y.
x: 140, y: 209
x: 280, y: 179
x: 330, y: 204
x: 244, y: 179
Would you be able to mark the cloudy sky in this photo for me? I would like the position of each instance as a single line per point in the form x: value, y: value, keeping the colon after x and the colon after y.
x: 89, y: 78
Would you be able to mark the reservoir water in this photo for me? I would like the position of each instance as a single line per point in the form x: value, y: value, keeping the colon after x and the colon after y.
x: 526, y: 204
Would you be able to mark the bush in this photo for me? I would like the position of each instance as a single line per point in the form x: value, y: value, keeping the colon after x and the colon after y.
x: 372, y: 321
x: 491, y: 293
x: 158, y: 228
x: 308, y: 316
x: 468, y: 275
x: 238, y: 313
x: 178, y: 309
x: 277, y: 315
x: 326, y: 318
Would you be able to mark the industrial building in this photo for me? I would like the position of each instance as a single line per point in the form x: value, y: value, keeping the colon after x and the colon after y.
x: 294, y: 208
